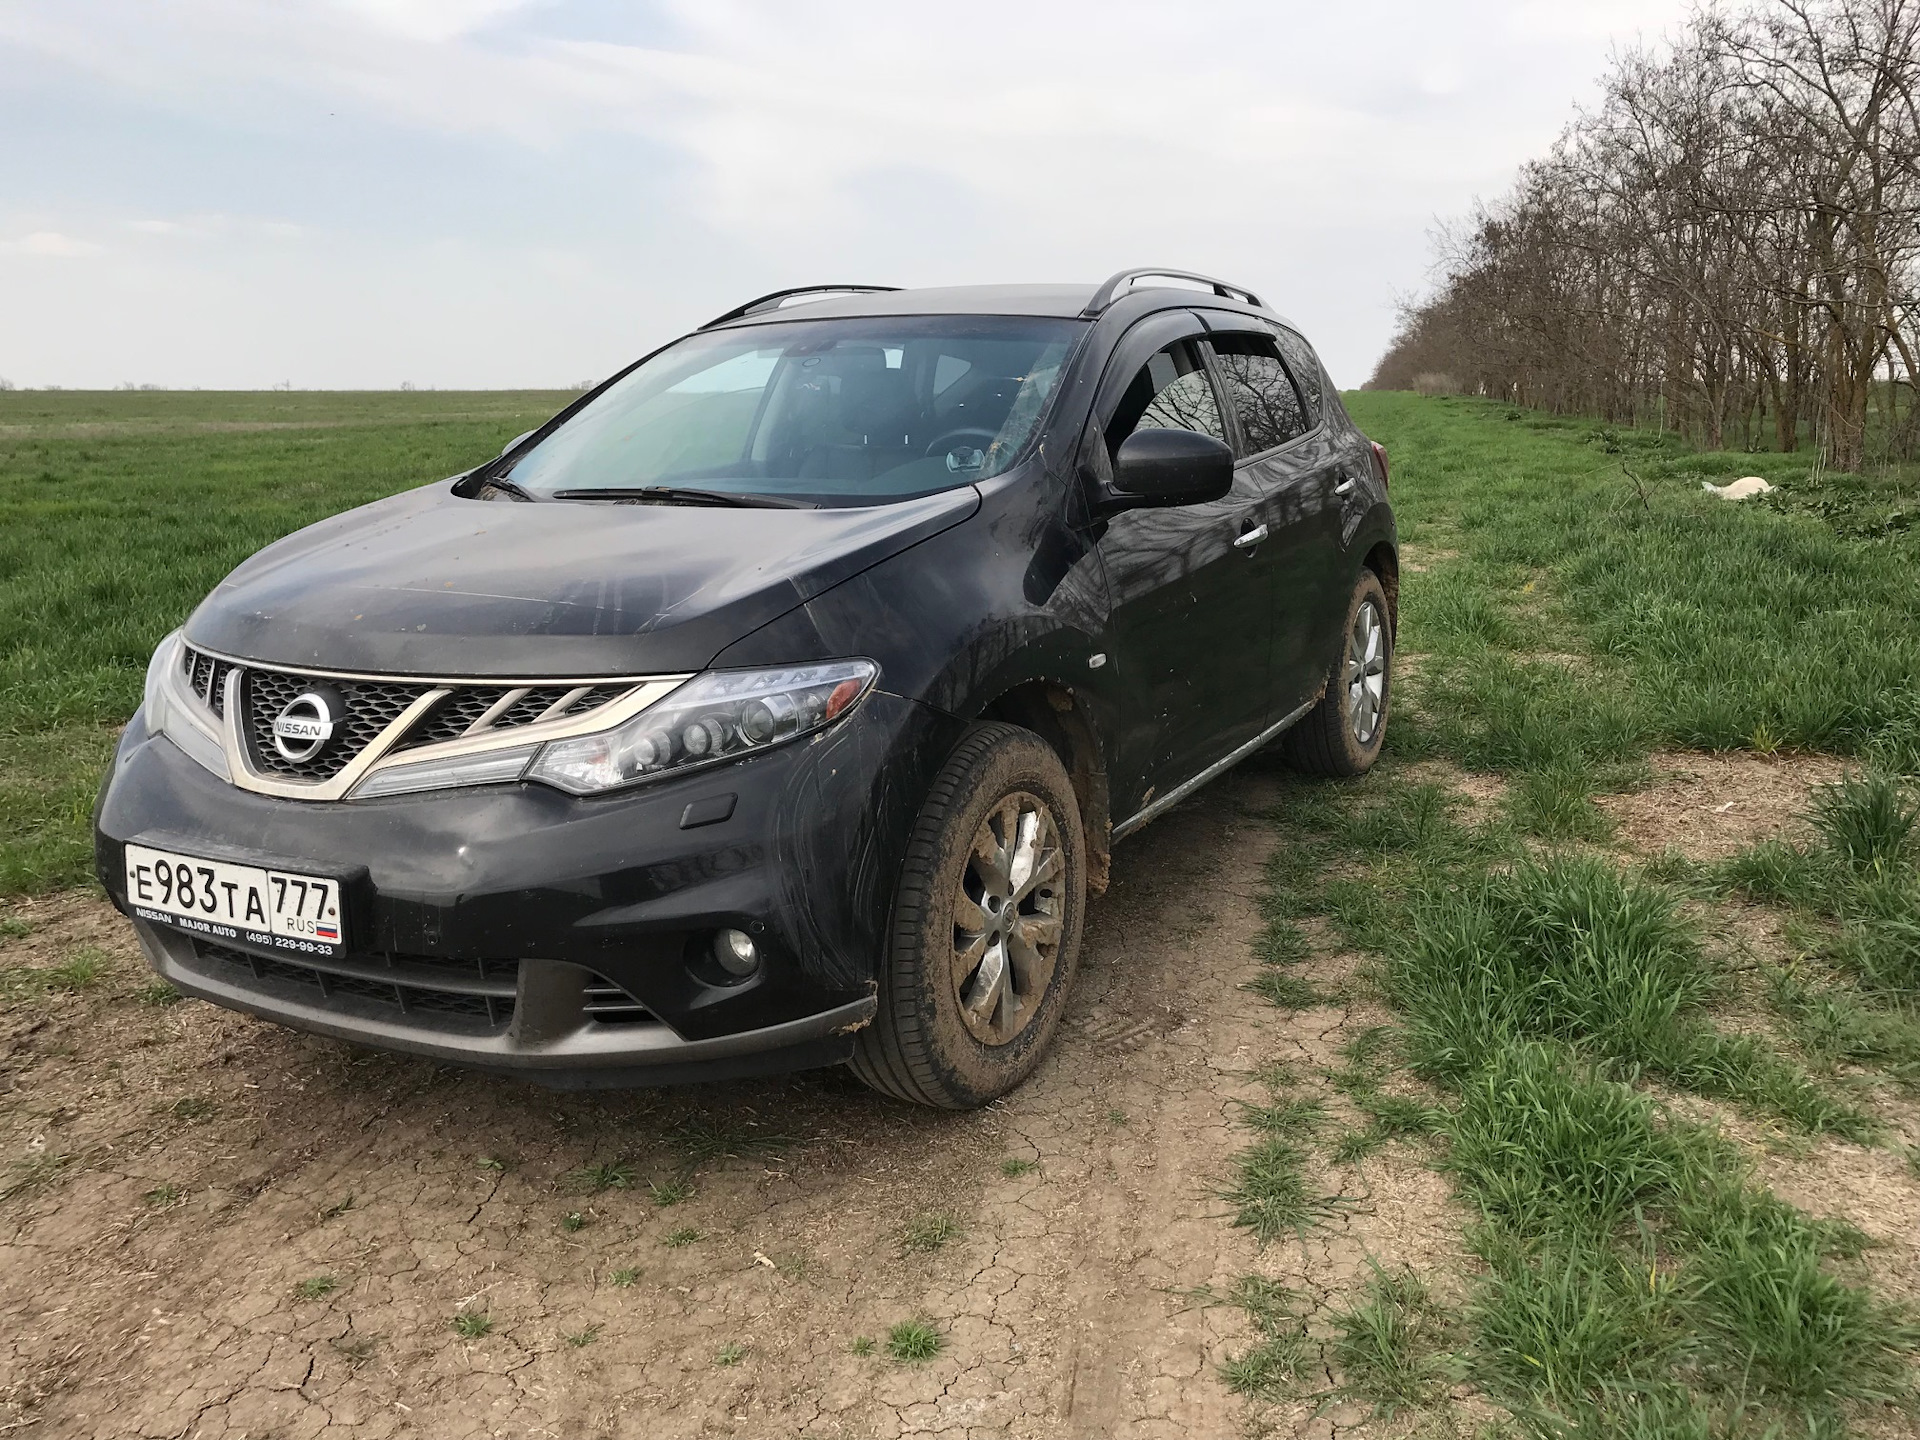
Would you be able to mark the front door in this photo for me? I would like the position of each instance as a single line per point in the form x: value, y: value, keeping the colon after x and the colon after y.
x: 1191, y: 589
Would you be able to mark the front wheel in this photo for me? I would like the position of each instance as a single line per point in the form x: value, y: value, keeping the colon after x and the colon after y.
x: 986, y: 927
x: 1342, y: 734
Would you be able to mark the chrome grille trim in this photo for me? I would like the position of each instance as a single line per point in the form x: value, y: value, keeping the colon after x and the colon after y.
x: 217, y: 691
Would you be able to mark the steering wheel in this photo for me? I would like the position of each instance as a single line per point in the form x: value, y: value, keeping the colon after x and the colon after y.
x: 946, y: 442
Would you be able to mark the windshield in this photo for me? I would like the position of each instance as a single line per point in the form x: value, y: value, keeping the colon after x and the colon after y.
x: 833, y: 412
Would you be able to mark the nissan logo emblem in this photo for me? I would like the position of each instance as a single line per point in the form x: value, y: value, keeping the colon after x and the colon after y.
x: 302, y: 730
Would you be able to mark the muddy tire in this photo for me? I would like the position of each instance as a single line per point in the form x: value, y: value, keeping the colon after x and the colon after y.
x: 1342, y: 734
x: 986, y: 927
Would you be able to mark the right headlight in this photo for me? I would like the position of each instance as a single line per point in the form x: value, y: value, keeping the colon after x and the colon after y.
x: 168, y: 712
x: 713, y: 718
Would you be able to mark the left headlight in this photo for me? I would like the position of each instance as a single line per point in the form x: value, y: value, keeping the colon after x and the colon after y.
x: 713, y: 718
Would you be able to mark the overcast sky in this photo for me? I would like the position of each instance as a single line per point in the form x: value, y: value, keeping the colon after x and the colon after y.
x: 452, y: 193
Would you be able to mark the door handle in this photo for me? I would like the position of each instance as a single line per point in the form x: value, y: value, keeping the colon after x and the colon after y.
x: 1347, y: 482
x: 1252, y: 538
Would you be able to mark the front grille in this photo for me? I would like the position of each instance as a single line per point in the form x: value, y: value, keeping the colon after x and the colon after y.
x: 371, y: 707
x: 207, y: 678
x: 460, y: 711
x: 463, y: 997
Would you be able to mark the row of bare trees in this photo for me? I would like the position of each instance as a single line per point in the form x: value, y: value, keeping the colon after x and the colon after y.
x: 1729, y: 244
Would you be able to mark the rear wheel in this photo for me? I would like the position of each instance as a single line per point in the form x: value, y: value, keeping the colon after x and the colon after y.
x: 1342, y: 734
x: 986, y: 927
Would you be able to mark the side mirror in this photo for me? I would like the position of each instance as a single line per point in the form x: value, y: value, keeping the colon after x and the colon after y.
x: 1171, y: 467
x: 514, y: 441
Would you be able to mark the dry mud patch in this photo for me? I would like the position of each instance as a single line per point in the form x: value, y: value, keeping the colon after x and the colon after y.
x: 212, y: 1163
x: 1707, y: 807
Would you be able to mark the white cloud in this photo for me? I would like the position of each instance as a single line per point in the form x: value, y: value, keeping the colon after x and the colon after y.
x: 216, y: 227
x: 433, y: 19
x: 51, y: 244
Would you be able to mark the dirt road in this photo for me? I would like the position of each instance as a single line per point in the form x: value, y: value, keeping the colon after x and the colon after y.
x: 152, y: 1282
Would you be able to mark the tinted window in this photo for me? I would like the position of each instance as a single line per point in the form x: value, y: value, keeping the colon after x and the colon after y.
x: 835, y: 411
x: 1171, y: 392
x: 1306, y: 371
x: 1259, y: 391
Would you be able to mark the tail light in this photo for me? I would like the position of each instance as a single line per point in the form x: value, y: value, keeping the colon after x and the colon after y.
x: 1380, y: 459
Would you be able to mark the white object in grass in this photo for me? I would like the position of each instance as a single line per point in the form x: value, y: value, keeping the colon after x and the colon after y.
x: 1742, y: 489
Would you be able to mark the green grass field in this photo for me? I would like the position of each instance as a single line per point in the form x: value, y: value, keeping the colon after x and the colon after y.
x: 119, y: 510
x: 1573, y: 601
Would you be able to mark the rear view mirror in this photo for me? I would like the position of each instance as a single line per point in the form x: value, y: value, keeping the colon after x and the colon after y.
x: 1171, y: 467
x: 515, y: 441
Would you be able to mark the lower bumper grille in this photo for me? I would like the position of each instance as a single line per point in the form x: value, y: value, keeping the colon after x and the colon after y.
x: 431, y: 992
x: 435, y: 1001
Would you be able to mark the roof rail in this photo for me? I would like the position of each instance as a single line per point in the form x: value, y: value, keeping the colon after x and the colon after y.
x: 1104, y: 296
x: 772, y: 301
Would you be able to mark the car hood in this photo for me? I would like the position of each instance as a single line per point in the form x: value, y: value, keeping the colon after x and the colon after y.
x: 428, y: 583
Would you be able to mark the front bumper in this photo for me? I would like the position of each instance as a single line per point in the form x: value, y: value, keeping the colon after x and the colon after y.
x: 515, y: 928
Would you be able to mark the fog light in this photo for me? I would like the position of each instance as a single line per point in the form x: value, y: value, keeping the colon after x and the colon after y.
x: 735, y: 953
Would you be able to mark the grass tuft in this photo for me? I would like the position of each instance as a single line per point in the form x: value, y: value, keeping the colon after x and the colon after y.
x: 593, y: 1179
x: 1542, y: 1147
x: 671, y: 1191
x: 704, y: 1139
x: 1270, y: 1195
x: 1387, y: 1346
x: 472, y: 1324
x: 315, y: 1287
x: 914, y: 1341
x: 1289, y: 992
x: 927, y: 1232
x: 1283, y: 1354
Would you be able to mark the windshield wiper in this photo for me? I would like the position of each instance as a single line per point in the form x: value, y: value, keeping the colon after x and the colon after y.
x: 678, y: 495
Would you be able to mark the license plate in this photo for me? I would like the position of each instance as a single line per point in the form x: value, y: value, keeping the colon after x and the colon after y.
x: 274, y: 908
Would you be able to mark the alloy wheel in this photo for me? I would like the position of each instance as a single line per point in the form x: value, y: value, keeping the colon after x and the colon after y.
x: 1365, y: 673
x: 1007, y: 919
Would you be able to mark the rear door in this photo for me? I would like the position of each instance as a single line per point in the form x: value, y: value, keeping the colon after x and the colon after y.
x: 1285, y: 446
x: 1335, y: 468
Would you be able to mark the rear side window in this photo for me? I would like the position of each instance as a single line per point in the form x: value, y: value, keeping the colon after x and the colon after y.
x: 1170, y: 392
x: 1259, y: 391
x: 1306, y: 372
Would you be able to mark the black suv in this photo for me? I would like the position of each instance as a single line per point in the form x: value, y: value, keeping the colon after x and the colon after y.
x: 776, y: 703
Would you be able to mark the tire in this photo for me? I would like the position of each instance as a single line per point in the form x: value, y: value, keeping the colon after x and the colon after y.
x: 1331, y: 738
x: 927, y: 1043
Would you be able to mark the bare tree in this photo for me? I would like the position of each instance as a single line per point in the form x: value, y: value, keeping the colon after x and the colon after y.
x: 1729, y: 244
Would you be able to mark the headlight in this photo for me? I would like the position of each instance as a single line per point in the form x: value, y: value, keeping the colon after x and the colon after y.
x: 168, y: 713
x: 713, y: 718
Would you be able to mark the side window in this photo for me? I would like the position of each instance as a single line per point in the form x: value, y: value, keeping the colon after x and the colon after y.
x: 1171, y: 392
x: 1306, y: 370
x: 1259, y: 391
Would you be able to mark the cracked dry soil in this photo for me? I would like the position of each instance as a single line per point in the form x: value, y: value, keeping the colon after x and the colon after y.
x: 213, y: 1163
